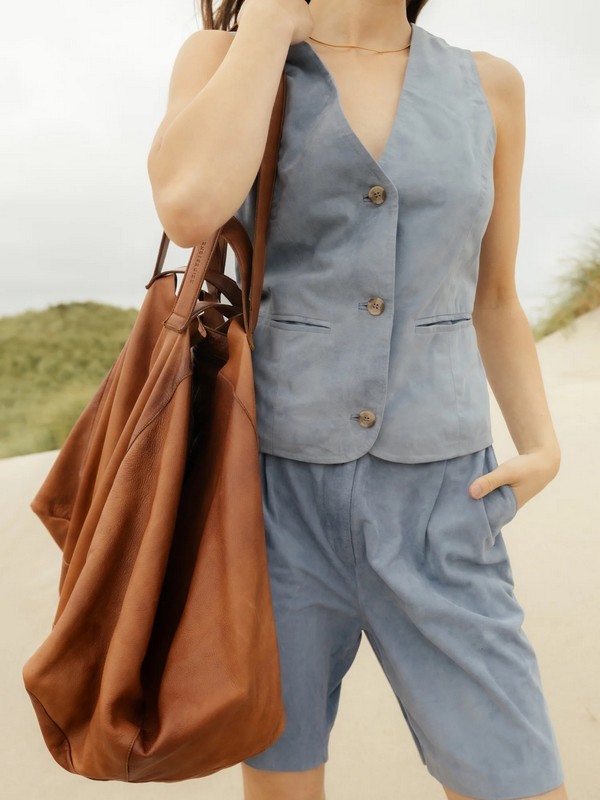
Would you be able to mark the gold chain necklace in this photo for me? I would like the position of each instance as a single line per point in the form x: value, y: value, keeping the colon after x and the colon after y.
x: 358, y: 47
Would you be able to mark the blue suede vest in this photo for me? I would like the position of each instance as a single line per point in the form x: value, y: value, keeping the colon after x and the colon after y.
x: 365, y: 339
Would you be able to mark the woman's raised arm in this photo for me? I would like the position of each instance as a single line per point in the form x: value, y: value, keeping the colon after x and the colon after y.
x: 208, y: 148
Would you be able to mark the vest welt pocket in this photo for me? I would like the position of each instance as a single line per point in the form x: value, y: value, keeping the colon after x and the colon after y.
x: 298, y: 322
x: 443, y: 323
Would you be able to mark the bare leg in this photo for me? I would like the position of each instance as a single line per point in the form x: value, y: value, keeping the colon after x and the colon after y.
x: 262, y: 784
x: 559, y: 793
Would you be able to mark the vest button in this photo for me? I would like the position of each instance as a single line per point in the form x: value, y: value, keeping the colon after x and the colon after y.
x: 377, y: 195
x: 366, y: 418
x: 375, y: 305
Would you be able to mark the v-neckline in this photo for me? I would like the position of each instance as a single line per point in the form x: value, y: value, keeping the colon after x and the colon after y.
x: 350, y: 132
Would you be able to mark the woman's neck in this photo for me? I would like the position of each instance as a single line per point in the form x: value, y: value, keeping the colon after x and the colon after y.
x: 380, y: 24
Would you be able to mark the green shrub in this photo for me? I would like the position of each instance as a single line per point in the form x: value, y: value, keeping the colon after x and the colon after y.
x: 51, y: 363
x: 578, y: 291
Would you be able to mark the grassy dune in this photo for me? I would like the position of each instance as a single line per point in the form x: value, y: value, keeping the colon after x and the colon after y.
x: 52, y: 361
x: 578, y: 291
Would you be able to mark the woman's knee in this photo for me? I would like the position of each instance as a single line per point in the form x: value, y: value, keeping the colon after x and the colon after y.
x: 262, y: 784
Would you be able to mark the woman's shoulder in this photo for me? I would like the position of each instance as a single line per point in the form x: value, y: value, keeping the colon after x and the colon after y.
x: 197, y: 59
x: 500, y: 78
x: 503, y: 87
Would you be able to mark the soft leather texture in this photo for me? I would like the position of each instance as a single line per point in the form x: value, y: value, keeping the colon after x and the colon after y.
x: 162, y: 663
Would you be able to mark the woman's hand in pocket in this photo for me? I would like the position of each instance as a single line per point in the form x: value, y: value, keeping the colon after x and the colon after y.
x: 527, y: 474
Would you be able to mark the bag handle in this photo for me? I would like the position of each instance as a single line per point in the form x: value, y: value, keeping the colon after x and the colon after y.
x: 233, y: 232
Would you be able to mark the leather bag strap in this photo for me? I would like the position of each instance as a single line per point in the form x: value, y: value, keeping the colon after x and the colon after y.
x: 204, y: 254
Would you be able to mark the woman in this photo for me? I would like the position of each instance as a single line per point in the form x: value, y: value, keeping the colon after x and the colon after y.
x: 389, y: 285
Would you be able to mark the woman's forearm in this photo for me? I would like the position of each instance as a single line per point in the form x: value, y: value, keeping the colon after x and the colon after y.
x: 203, y: 163
x: 509, y: 355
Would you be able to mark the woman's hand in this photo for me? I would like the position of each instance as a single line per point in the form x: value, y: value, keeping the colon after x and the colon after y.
x: 527, y: 474
x: 293, y: 13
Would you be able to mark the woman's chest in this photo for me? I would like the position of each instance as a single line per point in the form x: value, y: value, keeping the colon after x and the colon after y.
x: 438, y: 150
x: 366, y: 88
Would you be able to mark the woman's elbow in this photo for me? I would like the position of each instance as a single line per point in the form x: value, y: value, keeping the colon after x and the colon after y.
x: 184, y: 227
x: 186, y: 222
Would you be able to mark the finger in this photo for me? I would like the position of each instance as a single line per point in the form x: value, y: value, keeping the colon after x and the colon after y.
x: 486, y: 483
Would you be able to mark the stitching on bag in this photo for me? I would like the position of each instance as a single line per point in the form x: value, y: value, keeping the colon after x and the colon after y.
x: 57, y: 726
x: 241, y: 403
x: 103, y: 386
x: 129, y: 751
x: 163, y: 407
x: 57, y: 516
x: 107, y: 381
x: 160, y: 410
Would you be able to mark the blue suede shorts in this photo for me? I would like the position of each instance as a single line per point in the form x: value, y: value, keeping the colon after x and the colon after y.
x: 403, y: 553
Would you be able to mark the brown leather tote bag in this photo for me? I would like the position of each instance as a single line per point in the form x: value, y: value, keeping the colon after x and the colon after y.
x: 162, y: 663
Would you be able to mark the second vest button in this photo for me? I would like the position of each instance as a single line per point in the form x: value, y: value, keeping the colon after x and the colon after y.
x: 375, y: 305
x: 366, y: 418
x: 377, y: 195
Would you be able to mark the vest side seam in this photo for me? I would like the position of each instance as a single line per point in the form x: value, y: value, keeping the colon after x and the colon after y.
x: 473, y: 218
x: 275, y: 411
x: 480, y: 93
x: 450, y: 346
x: 467, y: 239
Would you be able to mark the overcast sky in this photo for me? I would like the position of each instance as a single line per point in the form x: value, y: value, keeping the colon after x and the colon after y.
x: 83, y: 87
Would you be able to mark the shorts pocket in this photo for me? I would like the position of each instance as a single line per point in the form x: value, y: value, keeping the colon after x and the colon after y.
x: 500, y: 507
x: 501, y: 503
x: 297, y: 322
x: 511, y: 491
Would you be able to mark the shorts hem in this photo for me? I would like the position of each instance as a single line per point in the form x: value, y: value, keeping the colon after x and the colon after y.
x: 470, y: 791
x: 285, y: 766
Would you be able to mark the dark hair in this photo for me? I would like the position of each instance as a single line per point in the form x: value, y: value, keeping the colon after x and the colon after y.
x: 224, y: 18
